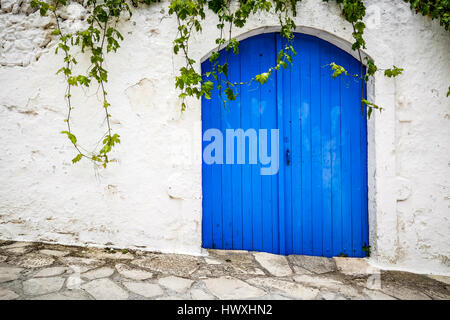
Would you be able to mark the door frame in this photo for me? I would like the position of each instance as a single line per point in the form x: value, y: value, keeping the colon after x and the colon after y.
x: 382, y: 184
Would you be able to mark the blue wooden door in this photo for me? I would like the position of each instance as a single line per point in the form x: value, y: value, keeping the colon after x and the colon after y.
x: 316, y: 202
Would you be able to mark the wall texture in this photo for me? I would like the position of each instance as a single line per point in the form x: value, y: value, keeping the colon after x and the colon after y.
x: 151, y: 197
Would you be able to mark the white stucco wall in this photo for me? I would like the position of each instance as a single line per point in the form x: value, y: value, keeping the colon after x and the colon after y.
x: 151, y: 198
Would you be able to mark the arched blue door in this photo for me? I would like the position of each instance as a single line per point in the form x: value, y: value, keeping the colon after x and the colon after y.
x: 315, y: 201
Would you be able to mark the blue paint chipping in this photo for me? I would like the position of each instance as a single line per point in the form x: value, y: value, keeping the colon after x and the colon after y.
x: 317, y: 203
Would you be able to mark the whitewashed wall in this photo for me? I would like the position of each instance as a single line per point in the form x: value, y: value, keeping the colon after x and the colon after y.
x: 151, y: 198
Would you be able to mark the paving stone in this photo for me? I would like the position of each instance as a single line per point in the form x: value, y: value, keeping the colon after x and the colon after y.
x: 329, y: 295
x: 274, y: 297
x: 198, y: 294
x: 133, y: 273
x: 300, y: 270
x: 171, y: 298
x: 18, y: 244
x: 212, y: 261
x: 444, y: 279
x: 237, y: 258
x: 6, y: 294
x: 313, y: 264
x: 228, y: 262
x: 64, y: 295
x: 74, y: 282
x: 3, y: 258
x: 232, y: 288
x: 19, y: 250
x: 81, y: 265
x: 108, y: 255
x: 407, y: 286
x: 148, y: 290
x: 176, y: 264
x: 9, y: 273
x: 404, y: 293
x: 32, y: 260
x: 248, y: 270
x: 50, y: 272
x: 275, y: 264
x: 54, y: 253
x: 204, y: 272
x: 376, y: 295
x: 329, y: 284
x: 292, y: 289
x: 98, y: 273
x: 218, y: 270
x: 437, y: 294
x: 38, y: 286
x: 105, y: 289
x: 177, y: 284
x: 354, y: 266
x: 316, y: 281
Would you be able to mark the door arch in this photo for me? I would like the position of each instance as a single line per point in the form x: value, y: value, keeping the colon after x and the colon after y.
x: 316, y: 202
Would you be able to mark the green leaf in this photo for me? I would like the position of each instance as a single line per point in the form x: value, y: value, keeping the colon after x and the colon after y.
x: 393, y: 72
x: 77, y: 158
x: 230, y: 94
x: 262, y: 78
x: 280, y: 55
x: 371, y: 69
x: 214, y: 56
x: 370, y: 107
x: 338, y: 70
x: 71, y: 137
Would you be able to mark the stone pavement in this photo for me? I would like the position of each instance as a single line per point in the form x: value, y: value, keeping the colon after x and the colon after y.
x: 44, y: 271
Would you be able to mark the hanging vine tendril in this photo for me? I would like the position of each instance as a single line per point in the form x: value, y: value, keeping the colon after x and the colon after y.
x: 101, y: 34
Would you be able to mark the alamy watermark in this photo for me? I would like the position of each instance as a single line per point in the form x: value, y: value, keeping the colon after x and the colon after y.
x: 239, y: 141
x: 191, y: 146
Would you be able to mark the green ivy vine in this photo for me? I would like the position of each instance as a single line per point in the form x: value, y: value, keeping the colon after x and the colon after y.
x: 101, y: 36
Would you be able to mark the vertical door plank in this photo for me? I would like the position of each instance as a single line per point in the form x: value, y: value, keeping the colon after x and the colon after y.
x: 316, y: 148
x: 227, y: 206
x: 306, y: 85
x: 283, y: 105
x: 286, y: 92
x: 255, y: 46
x: 326, y: 58
x: 296, y: 151
x: 234, y: 116
x: 207, y: 226
x: 336, y: 180
x: 249, y: 67
x: 268, y: 122
x: 216, y: 176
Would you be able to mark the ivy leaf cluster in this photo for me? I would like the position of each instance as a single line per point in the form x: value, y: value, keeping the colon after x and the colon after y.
x: 393, y: 72
x: 435, y: 9
x: 337, y: 70
x: 190, y: 15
